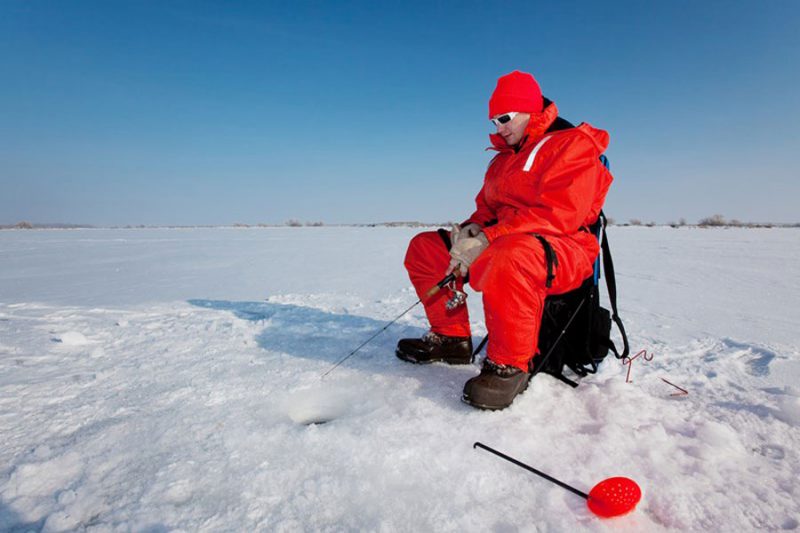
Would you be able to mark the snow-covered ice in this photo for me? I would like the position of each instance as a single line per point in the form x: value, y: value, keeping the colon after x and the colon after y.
x: 156, y: 380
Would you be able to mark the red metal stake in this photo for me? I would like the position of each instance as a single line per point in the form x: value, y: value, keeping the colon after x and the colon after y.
x: 683, y: 392
x: 629, y: 361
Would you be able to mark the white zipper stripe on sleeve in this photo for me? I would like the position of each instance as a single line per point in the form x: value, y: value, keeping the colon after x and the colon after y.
x: 529, y: 162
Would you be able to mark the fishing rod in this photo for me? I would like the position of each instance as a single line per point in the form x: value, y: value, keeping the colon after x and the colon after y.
x: 432, y: 291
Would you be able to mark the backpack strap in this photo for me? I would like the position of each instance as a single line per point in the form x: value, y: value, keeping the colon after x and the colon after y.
x: 561, y: 377
x: 480, y: 346
x: 611, y: 285
x: 544, y: 357
x: 550, y: 258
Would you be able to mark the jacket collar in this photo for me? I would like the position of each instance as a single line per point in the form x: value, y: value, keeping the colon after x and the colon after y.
x: 536, y: 128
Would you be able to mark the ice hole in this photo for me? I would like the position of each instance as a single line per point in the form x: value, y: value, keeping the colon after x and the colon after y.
x: 314, y: 407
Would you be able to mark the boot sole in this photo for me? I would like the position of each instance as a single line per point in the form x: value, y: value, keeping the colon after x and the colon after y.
x: 486, y: 407
x: 410, y: 359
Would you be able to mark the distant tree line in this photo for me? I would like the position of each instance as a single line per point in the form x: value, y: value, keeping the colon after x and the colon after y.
x: 714, y: 221
x: 24, y: 224
x: 293, y: 223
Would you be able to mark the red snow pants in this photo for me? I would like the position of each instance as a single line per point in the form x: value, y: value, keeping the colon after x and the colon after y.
x: 511, y: 273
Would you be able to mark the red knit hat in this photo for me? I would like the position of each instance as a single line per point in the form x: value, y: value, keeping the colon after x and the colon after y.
x: 517, y: 91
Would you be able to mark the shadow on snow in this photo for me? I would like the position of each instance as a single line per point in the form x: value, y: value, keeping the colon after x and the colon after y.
x: 11, y: 522
x: 310, y: 333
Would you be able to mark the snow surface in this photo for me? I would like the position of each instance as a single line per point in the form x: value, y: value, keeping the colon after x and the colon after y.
x: 158, y: 380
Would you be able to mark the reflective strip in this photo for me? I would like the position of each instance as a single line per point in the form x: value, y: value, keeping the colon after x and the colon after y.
x: 529, y: 162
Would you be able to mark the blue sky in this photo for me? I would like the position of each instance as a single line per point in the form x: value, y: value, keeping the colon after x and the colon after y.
x: 203, y: 112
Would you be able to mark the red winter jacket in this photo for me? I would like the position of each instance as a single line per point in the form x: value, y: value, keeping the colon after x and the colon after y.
x: 554, y: 185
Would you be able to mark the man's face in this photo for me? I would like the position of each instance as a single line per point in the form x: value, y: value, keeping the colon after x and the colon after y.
x: 513, y: 130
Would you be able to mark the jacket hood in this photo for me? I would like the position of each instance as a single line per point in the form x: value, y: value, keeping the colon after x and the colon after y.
x: 599, y: 137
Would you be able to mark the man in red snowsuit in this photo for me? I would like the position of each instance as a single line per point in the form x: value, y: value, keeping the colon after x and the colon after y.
x: 542, y: 190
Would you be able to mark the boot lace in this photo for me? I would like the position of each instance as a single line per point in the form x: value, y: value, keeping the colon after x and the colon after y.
x: 433, y: 338
x: 500, y: 370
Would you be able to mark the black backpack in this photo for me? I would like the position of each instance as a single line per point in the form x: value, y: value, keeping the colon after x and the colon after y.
x: 576, y: 331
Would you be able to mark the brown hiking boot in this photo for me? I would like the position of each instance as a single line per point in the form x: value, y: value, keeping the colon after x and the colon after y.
x: 495, y: 387
x: 433, y: 347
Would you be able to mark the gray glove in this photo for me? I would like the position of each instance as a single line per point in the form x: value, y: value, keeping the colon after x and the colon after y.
x: 458, y: 233
x: 465, y: 251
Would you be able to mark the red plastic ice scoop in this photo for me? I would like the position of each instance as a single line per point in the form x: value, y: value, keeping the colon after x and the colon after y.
x: 614, y: 496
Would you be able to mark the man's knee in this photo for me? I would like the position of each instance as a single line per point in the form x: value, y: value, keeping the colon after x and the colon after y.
x: 422, y: 247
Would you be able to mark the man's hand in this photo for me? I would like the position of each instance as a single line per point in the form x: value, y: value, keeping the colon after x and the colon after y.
x: 465, y: 251
x: 458, y: 233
